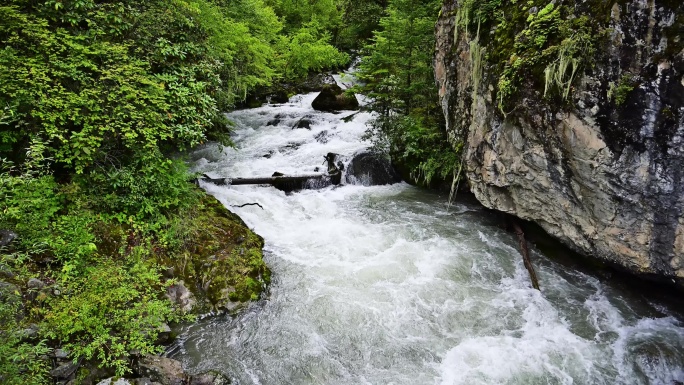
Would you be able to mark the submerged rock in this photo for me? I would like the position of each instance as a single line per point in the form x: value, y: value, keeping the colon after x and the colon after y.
x: 304, y: 122
x: 332, y: 98
x: 370, y: 169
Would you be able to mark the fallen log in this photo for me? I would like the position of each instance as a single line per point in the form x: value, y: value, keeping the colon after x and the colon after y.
x: 526, y: 255
x: 281, y: 182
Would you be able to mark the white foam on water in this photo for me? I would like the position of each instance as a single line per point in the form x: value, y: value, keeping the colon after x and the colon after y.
x: 384, y: 285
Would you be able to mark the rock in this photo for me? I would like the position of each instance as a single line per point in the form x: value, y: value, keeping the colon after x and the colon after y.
x: 314, y: 82
x: 304, y: 122
x: 117, y: 381
x: 602, y: 176
x: 162, y: 370
x: 144, y: 381
x: 60, y: 354
x: 370, y: 169
x: 6, y: 272
x: 210, y: 378
x: 35, y: 284
x: 30, y: 333
x: 164, y: 334
x: 322, y: 137
x: 332, y: 98
x: 179, y: 295
x: 64, y: 371
x: 10, y: 294
x: 6, y: 237
x: 276, y: 120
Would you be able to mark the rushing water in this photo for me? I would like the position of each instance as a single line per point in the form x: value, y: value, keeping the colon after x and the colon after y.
x: 385, y: 285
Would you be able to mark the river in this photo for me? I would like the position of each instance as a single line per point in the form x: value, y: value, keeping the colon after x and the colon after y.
x: 386, y: 285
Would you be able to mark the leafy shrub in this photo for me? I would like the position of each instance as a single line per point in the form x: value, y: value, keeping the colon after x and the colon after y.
x: 110, y: 310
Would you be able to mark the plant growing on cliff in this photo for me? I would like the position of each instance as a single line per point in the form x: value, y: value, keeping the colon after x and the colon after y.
x: 618, y: 93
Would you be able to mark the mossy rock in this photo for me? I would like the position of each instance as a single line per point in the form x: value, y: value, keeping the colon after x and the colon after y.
x: 222, y: 261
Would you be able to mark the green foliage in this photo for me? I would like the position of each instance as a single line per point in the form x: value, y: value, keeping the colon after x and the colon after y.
x: 309, y: 50
x: 618, y: 93
x: 110, y: 310
x: 20, y: 361
x: 359, y: 19
x: 95, y: 96
x: 537, y: 44
x: 397, y: 74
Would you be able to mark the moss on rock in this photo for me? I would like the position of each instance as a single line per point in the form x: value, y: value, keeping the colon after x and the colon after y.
x: 221, y: 261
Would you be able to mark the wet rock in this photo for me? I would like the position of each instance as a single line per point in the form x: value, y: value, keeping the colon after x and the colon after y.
x: 210, y: 378
x: 269, y: 154
x: 163, y: 370
x: 322, y: 137
x: 276, y: 120
x: 7, y: 236
x: 64, y: 371
x: 332, y: 98
x: 304, y: 122
x: 292, y: 146
x: 118, y: 381
x: 371, y: 169
x: 181, y: 296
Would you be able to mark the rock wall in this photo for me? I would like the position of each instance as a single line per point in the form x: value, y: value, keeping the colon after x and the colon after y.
x: 602, y: 173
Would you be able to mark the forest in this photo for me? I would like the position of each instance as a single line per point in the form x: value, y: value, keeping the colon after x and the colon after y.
x: 99, y: 99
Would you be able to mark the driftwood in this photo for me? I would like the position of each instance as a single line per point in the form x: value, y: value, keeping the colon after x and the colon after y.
x: 248, y: 204
x: 281, y: 182
x: 290, y: 182
x: 526, y: 255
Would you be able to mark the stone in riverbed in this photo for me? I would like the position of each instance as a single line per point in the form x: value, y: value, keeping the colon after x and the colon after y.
x: 332, y: 98
x: 371, y: 169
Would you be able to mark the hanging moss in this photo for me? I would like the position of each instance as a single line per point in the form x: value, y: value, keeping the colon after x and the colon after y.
x: 536, y: 45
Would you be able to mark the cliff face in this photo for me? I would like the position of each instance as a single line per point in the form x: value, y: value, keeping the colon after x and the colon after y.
x: 601, y: 169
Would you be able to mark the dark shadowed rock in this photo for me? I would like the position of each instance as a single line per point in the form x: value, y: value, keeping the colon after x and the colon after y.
x: 333, y: 98
x: 370, y: 169
x: 322, y: 137
x: 64, y: 371
x: 304, y: 122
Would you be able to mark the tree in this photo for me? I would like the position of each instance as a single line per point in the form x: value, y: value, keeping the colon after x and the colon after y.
x: 397, y: 74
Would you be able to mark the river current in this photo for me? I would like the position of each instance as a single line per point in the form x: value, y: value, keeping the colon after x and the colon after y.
x: 386, y: 285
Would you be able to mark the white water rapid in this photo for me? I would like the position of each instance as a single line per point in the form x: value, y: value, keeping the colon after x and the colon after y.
x: 384, y: 285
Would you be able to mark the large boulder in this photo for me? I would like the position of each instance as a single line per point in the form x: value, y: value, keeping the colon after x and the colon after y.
x: 600, y: 171
x: 371, y: 169
x: 332, y: 98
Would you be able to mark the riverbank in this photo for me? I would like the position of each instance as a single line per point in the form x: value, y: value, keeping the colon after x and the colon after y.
x: 205, y: 260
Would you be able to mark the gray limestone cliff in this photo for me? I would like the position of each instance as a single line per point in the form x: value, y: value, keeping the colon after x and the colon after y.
x: 601, y: 169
